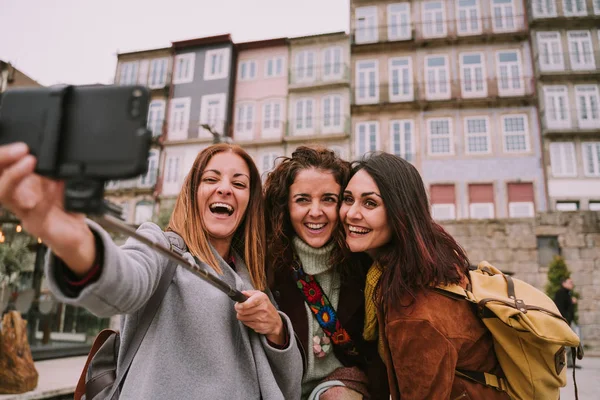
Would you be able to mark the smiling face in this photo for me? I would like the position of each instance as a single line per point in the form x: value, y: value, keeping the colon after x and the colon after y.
x: 312, y: 204
x: 223, y: 196
x: 364, y: 215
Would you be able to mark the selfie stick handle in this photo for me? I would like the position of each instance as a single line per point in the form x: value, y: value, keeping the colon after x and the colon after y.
x: 111, y: 223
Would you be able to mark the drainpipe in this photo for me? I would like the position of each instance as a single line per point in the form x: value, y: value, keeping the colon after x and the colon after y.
x: 537, y: 106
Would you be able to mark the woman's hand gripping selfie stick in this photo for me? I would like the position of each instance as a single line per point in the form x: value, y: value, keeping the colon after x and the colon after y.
x: 111, y: 223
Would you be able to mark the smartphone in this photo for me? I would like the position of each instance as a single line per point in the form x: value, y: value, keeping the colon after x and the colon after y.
x: 95, y: 132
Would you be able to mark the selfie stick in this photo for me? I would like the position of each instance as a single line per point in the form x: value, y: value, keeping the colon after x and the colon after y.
x: 114, y: 224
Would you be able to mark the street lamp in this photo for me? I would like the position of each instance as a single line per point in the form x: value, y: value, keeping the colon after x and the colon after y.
x: 217, y: 137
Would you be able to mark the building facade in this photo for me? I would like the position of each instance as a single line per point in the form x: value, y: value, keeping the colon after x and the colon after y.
x: 11, y: 77
x: 319, y: 92
x: 566, y: 41
x: 201, y: 102
x: 150, y: 68
x: 448, y: 85
x: 261, y: 90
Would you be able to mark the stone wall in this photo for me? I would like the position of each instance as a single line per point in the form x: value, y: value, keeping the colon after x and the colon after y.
x: 512, y: 246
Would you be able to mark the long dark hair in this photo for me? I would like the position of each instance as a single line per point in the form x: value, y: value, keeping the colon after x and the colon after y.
x: 277, y: 190
x: 421, y: 253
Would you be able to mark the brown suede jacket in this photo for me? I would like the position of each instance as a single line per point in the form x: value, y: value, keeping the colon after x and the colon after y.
x: 426, y: 341
x: 351, y: 312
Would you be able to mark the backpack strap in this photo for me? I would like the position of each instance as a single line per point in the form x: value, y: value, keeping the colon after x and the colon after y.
x: 484, y: 378
x: 98, y: 342
x: 178, y: 246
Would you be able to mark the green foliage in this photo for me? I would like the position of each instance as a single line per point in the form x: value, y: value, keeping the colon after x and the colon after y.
x: 14, y: 257
x: 557, y: 272
x: 164, y: 215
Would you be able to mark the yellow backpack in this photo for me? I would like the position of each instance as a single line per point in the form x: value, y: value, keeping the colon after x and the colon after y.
x: 529, y: 334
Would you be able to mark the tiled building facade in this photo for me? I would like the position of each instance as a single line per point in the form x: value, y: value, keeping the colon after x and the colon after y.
x: 496, y: 102
x: 565, y: 38
x: 448, y: 85
x: 151, y: 68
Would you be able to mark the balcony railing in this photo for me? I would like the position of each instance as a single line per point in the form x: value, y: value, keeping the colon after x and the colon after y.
x: 566, y: 62
x: 332, y: 125
x: 319, y: 75
x: 249, y: 131
x: 474, y: 90
x: 448, y: 30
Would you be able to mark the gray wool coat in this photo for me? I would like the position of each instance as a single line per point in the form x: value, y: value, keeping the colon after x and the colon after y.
x: 195, y: 347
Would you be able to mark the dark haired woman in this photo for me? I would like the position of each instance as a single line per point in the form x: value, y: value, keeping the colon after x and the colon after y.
x: 311, y: 280
x: 423, y: 336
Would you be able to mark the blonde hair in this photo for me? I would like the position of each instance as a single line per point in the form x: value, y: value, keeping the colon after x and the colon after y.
x: 249, y: 237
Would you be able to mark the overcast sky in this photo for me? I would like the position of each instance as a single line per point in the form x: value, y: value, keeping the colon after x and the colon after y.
x: 76, y: 41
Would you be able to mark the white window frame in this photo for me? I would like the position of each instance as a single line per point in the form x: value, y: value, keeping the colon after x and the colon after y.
x: 443, y: 211
x: 180, y: 59
x: 403, y: 71
x: 470, y: 30
x: 477, y: 135
x: 596, y: 7
x: 547, y: 8
x: 149, y: 178
x: 515, y: 205
x: 481, y: 210
x: 173, y: 168
x: 398, y: 131
x: 156, y: 117
x: 368, y: 144
x: 267, y: 158
x: 429, y: 22
x: 506, y: 135
x: 511, y: 80
x: 563, y: 160
x: 554, y: 95
x: 367, y: 99
x: 301, y: 63
x: 436, y: 84
x: 552, y: 43
x: 332, y: 70
x: 245, y: 119
x: 179, y: 131
x: 275, y: 123
x: 397, y: 29
x: 588, y: 118
x: 223, y: 73
x: 369, y: 33
x: 143, y: 72
x: 508, y: 20
x: 472, y: 68
x: 566, y: 206
x: 217, y: 125
x: 275, y: 72
x: 577, y: 12
x: 128, y: 73
x: 594, y: 205
x: 577, y: 48
x: 595, y: 161
x: 304, y: 124
x: 336, y: 121
x: 162, y: 74
x: 245, y: 69
x: 431, y: 137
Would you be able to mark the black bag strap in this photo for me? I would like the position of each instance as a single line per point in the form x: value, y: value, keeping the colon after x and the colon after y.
x: 177, y: 245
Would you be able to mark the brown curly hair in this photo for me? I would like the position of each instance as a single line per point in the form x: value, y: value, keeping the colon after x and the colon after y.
x: 277, y: 215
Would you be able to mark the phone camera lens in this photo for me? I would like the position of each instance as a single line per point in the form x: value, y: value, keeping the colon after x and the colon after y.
x: 135, y: 108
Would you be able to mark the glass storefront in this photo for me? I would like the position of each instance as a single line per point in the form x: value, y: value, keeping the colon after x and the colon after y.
x: 54, y: 329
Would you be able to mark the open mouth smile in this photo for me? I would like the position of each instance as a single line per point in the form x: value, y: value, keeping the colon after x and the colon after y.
x: 221, y: 209
x: 314, y: 227
x: 358, y: 230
